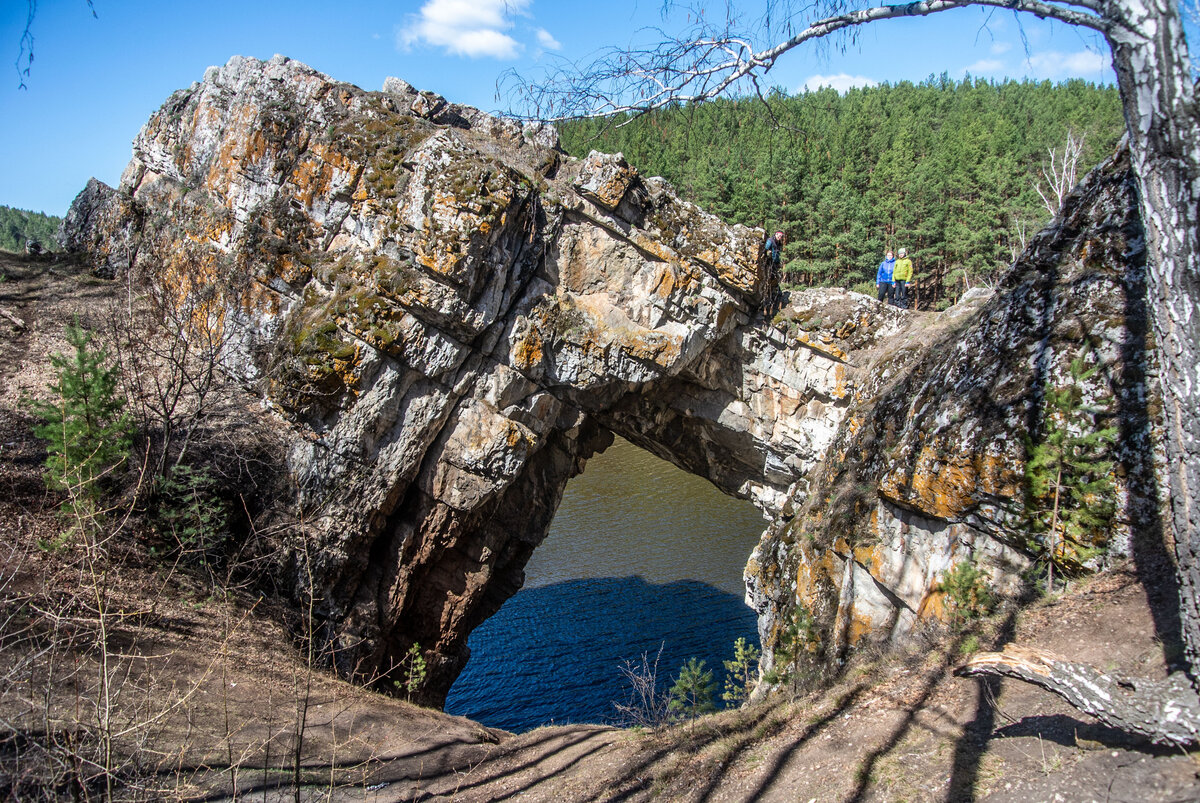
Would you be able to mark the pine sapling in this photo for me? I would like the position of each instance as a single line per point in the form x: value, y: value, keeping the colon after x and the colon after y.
x: 85, y: 424
x: 740, y: 677
x: 692, y: 694
x: 1068, y: 471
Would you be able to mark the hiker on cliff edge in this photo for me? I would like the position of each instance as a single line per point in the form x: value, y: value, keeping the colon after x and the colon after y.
x: 773, y: 249
x: 883, y: 277
x: 901, y: 276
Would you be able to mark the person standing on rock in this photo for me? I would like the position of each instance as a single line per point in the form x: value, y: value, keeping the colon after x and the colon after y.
x: 901, y: 276
x: 773, y: 249
x: 883, y: 277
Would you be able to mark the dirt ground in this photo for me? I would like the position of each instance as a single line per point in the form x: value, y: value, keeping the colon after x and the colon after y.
x: 203, y: 693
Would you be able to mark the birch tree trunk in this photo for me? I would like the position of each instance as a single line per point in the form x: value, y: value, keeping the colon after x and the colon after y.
x: 1159, y: 100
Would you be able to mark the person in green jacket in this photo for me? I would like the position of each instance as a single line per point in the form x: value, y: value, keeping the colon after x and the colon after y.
x: 901, y: 276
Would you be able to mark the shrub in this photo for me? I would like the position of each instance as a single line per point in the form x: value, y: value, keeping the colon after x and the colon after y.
x: 85, y: 424
x: 740, y: 673
x: 968, y: 593
x: 190, y: 509
x: 646, y: 706
x: 415, y: 670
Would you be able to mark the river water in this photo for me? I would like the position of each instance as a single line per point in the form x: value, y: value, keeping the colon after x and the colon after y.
x: 640, y: 555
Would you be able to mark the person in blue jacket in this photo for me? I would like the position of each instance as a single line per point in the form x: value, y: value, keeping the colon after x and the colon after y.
x: 883, y: 277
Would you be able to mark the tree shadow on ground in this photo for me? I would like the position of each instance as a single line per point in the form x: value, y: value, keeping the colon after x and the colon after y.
x: 932, y: 677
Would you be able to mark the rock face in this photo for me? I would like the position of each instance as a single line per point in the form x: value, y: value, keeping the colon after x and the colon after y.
x: 449, y: 316
x: 928, y: 469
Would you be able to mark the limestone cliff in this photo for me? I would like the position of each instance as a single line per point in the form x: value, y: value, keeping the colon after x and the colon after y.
x: 927, y: 470
x: 448, y: 316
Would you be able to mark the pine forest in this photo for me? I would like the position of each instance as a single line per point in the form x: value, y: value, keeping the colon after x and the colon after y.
x: 947, y: 169
x: 17, y: 226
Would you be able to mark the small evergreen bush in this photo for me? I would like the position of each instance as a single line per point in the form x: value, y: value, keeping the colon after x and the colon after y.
x: 968, y: 593
x: 190, y: 510
x: 1072, y: 497
x: 692, y: 693
x: 415, y: 670
x: 740, y: 672
x: 85, y: 424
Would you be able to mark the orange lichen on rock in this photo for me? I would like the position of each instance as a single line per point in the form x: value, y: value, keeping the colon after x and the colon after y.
x: 312, y: 176
x: 946, y: 486
x: 933, y: 605
x: 236, y: 148
x: 665, y: 285
x: 527, y: 351
x: 869, y: 558
x: 657, y: 347
x: 825, y: 348
x: 654, y: 248
x: 860, y: 626
x: 812, y: 570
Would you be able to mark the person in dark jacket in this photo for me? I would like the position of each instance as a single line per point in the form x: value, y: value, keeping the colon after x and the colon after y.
x: 883, y: 277
x: 901, y: 276
x: 773, y: 250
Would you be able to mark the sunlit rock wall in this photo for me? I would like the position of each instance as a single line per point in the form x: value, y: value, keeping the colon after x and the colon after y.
x: 928, y: 467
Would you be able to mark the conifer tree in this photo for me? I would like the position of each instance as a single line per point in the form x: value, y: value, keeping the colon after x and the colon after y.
x: 692, y: 693
x: 740, y: 672
x: 1067, y: 472
x: 85, y: 423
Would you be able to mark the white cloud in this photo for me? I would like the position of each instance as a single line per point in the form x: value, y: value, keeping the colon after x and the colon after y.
x: 841, y: 82
x: 1053, y: 64
x: 546, y: 40
x: 1000, y: 48
x: 984, y: 66
x: 472, y: 28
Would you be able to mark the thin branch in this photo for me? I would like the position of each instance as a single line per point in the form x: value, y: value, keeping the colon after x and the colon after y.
x: 712, y: 62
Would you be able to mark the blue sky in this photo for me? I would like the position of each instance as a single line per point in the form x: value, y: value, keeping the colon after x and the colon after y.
x: 95, y: 81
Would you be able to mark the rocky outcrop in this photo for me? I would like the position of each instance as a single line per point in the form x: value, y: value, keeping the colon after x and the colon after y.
x: 98, y: 224
x: 449, y: 316
x: 928, y: 470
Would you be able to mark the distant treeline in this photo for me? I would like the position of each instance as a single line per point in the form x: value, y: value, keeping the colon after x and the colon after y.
x: 17, y: 226
x: 945, y: 168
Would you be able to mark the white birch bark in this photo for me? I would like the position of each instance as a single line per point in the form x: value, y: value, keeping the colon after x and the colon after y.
x: 1153, y: 73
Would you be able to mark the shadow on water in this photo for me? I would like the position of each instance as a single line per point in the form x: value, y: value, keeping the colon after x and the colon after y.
x: 552, y: 654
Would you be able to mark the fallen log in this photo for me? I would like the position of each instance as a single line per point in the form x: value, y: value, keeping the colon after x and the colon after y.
x: 16, y: 322
x: 1167, y: 712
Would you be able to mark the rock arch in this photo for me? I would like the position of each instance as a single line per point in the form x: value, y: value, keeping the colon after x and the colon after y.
x: 447, y: 316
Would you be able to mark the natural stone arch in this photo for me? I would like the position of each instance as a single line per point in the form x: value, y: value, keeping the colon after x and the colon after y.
x: 445, y: 314
x: 447, y: 310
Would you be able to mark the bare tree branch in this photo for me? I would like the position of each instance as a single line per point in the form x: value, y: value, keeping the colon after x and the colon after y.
x: 1060, y: 174
x: 24, y: 62
x: 712, y: 60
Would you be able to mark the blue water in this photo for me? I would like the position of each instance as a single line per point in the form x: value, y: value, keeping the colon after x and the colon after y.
x: 640, y: 556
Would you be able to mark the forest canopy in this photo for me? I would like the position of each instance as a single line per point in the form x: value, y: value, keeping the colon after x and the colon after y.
x: 17, y: 226
x: 945, y: 168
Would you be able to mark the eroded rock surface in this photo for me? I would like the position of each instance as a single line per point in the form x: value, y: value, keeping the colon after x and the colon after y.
x: 928, y: 469
x: 449, y: 316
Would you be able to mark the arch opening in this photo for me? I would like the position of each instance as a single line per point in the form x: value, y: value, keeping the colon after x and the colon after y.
x: 640, y: 554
